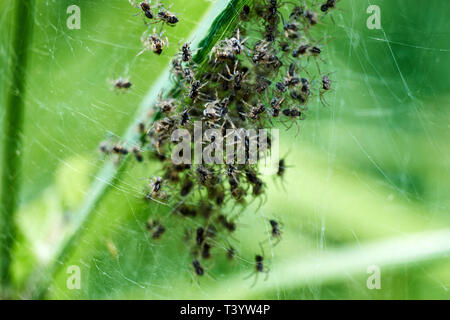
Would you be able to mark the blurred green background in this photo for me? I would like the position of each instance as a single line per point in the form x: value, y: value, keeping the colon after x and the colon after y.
x: 371, y: 167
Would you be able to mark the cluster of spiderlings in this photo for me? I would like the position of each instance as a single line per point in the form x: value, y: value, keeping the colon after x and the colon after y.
x: 154, y: 14
x: 266, y: 72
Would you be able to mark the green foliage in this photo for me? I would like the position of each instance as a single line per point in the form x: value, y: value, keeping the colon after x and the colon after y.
x: 367, y: 183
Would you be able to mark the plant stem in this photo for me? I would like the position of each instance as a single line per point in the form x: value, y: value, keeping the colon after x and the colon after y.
x: 216, y: 23
x: 12, y: 132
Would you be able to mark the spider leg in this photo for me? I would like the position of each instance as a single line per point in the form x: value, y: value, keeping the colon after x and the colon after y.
x: 290, y: 126
x: 194, y: 279
x: 332, y: 19
x: 298, y: 129
x: 262, y: 249
x: 322, y: 99
x: 317, y: 64
x: 284, y: 124
x: 228, y: 70
x: 254, y: 282
x: 223, y: 77
x: 235, y: 66
x: 250, y: 275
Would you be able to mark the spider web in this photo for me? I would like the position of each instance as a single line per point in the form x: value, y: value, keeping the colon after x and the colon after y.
x: 372, y: 164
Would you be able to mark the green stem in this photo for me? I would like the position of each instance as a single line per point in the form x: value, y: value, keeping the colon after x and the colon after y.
x: 12, y: 133
x: 216, y: 23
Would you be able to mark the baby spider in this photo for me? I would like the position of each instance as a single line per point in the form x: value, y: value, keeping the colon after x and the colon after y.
x: 330, y: 4
x: 207, y: 177
x: 119, y: 149
x: 230, y: 253
x: 188, y: 74
x: 227, y: 224
x: 327, y: 7
x: 186, y: 52
x: 291, y: 30
x: 185, y: 117
x: 301, y: 50
x: 315, y: 52
x: 215, y: 110
x: 104, y: 148
x: 186, y: 187
x: 311, y: 17
x: 137, y: 154
x: 221, y: 55
x: 281, y: 168
x: 155, y: 191
x: 291, y: 79
x: 228, y: 49
x: 200, y: 236
x: 236, y: 77
x: 326, y: 83
x: 167, y: 17
x: 254, y: 181
x: 297, y: 13
x: 269, y: 11
x: 305, y: 87
x: 166, y: 106
x: 122, y: 84
x: 261, y: 52
x: 285, y: 46
x: 255, y: 110
x: 235, y: 44
x: 199, y: 271
x: 293, y: 114
x: 206, y: 251
x: 245, y: 13
x: 176, y: 67
x: 280, y: 87
x: 325, y: 87
x: 154, y: 42
x: 194, y: 91
x: 276, y: 231
x: 276, y: 104
x: 261, y: 84
x: 144, y: 6
x: 259, y: 267
x: 155, y: 228
x: 164, y: 126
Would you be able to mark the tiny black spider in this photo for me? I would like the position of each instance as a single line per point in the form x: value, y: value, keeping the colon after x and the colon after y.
x: 156, y: 229
x: 276, y: 232
x: 245, y: 12
x: 122, y: 84
x: 167, y: 17
x: 137, y: 154
x: 186, y: 188
x: 200, y: 236
x: 206, y: 251
x: 198, y: 268
x: 186, y: 53
x: 281, y: 167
